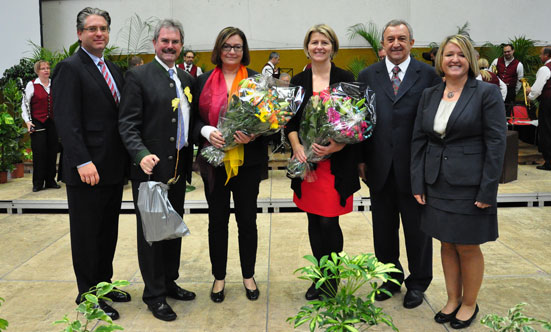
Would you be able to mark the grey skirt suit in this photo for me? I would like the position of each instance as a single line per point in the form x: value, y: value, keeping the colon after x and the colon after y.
x: 463, y: 166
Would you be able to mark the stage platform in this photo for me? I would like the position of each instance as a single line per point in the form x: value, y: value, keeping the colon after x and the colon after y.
x: 37, y: 279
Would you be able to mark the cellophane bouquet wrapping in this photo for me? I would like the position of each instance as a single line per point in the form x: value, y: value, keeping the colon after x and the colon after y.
x: 263, y: 105
x: 345, y: 113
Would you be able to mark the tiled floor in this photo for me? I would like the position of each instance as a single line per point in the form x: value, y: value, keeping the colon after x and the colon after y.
x: 37, y: 280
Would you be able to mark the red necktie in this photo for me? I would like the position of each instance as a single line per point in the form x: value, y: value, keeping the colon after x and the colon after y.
x: 108, y: 80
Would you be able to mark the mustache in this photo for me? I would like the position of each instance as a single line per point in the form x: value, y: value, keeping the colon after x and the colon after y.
x: 169, y: 50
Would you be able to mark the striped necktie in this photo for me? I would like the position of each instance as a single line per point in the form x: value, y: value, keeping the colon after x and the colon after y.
x: 395, y: 79
x: 181, y: 129
x: 108, y: 80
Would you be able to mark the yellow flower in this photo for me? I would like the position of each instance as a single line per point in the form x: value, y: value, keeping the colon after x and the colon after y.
x: 262, y: 116
x: 175, y: 104
x: 188, y: 94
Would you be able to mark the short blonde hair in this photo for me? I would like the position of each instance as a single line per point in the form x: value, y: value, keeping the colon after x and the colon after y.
x: 38, y: 64
x: 468, y: 51
x: 325, y: 30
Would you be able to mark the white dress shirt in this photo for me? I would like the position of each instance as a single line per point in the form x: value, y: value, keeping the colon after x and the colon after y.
x: 29, y: 93
x: 184, y: 103
x: 502, y: 86
x: 520, y: 70
x: 542, y: 76
x: 403, y: 67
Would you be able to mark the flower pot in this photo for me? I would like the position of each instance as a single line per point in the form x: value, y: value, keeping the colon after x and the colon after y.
x: 19, y: 171
x: 3, y: 177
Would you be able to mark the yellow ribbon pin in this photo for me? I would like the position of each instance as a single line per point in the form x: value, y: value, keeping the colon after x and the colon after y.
x: 175, y: 104
x: 188, y: 94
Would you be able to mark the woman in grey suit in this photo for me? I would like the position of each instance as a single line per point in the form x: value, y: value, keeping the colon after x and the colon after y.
x: 458, y: 147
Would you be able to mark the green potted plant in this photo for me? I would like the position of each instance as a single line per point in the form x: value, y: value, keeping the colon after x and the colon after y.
x: 341, y: 308
x: 515, y: 321
x: 11, y: 128
x: 3, y: 323
x: 91, y: 312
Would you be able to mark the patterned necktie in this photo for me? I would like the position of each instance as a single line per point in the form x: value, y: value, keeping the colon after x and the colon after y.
x: 108, y: 80
x: 395, y: 79
x: 181, y: 129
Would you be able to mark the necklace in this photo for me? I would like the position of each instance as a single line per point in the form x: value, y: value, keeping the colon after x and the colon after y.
x: 452, y: 93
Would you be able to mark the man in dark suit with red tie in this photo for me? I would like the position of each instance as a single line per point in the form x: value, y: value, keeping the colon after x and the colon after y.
x: 398, y: 82
x: 86, y: 93
x: 154, y: 124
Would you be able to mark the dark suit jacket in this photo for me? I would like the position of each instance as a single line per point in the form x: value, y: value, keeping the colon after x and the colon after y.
x: 255, y: 152
x: 391, y: 140
x: 86, y: 118
x: 344, y: 164
x: 470, y: 156
x: 149, y: 125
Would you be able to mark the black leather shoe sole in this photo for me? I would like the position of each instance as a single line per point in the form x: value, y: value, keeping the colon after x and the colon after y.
x: 461, y: 324
x: 182, y: 294
x: 162, y: 311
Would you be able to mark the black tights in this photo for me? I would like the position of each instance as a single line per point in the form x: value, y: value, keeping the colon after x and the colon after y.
x: 325, y: 235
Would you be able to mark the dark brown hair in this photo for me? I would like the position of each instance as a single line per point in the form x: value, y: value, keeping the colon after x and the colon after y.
x: 223, y: 36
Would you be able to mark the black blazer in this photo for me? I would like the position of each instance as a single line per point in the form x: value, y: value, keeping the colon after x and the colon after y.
x: 470, y: 156
x: 86, y: 118
x: 391, y: 141
x: 149, y: 125
x: 344, y: 164
x: 256, y: 152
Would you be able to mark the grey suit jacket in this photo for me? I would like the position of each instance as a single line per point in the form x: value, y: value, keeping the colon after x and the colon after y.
x: 470, y: 156
x: 389, y: 147
x: 148, y: 123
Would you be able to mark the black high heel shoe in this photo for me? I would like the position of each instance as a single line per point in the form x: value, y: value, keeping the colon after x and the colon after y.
x: 461, y: 324
x: 252, y: 294
x: 442, y: 318
x: 219, y: 296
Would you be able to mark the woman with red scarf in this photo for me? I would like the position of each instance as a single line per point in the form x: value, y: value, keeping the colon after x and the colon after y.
x: 230, y: 55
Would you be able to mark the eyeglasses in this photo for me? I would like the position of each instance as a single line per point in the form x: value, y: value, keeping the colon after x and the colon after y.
x: 95, y: 29
x: 237, y: 48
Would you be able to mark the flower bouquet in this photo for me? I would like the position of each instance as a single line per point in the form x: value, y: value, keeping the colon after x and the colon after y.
x: 262, y: 106
x: 345, y: 113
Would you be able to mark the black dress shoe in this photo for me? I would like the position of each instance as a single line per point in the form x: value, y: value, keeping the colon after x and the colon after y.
x: 392, y: 289
x: 181, y: 294
x: 461, y: 324
x: 252, y: 294
x: 413, y: 298
x: 546, y: 166
x: 109, y: 310
x: 53, y: 185
x: 37, y: 188
x: 442, y: 318
x: 312, y: 293
x: 117, y: 295
x: 217, y: 297
x: 161, y: 310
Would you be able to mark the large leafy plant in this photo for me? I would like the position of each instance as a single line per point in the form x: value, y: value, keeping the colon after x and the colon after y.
x: 341, y: 308
x: 515, y: 321
x: 11, y: 127
x: 370, y: 32
x: 91, y: 312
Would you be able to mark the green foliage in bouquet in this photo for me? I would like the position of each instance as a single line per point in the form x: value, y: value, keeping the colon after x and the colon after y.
x: 342, y: 309
x: 91, y: 312
x: 515, y: 321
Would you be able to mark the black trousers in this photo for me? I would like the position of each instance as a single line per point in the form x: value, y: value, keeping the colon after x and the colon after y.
x: 44, y: 144
x: 544, y: 129
x: 244, y: 187
x: 94, y: 223
x: 160, y: 262
x: 388, y: 205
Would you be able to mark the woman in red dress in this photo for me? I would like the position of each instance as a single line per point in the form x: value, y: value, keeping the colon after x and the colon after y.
x: 330, y: 195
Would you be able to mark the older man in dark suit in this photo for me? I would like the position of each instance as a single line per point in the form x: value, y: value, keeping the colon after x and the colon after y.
x: 398, y: 82
x: 86, y: 92
x: 154, y: 124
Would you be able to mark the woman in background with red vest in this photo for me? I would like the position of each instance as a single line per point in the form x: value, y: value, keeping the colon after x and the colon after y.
x: 37, y: 112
